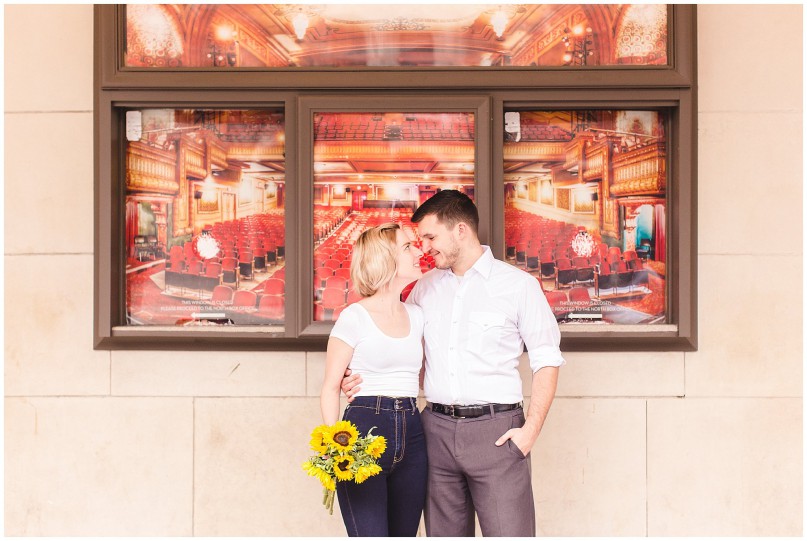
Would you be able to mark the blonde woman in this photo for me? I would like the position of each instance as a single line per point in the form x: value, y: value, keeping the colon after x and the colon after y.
x: 381, y: 337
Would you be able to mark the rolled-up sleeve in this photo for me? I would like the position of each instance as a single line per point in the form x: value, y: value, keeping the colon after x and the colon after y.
x: 538, y: 328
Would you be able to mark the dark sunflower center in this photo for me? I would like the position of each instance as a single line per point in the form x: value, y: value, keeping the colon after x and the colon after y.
x: 342, y: 438
x: 344, y: 465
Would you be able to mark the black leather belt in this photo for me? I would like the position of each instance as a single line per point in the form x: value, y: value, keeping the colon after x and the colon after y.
x: 469, y: 412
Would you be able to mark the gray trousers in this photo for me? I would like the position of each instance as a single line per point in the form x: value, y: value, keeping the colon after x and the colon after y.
x: 468, y: 472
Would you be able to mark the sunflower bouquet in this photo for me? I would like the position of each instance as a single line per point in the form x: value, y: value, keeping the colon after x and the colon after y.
x: 343, y: 456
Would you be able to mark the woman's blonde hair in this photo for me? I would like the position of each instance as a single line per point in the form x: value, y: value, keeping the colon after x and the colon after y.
x: 374, y: 262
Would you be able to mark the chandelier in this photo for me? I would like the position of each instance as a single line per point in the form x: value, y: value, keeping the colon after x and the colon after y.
x: 583, y: 244
x: 299, y: 15
x: 222, y: 44
x: 206, y: 246
x: 501, y: 15
x: 579, y: 45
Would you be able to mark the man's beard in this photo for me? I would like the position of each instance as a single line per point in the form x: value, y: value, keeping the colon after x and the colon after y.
x: 451, y: 257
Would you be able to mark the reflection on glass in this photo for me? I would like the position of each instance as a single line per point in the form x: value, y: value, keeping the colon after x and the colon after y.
x: 373, y: 168
x: 585, y: 207
x: 365, y: 35
x: 205, y: 240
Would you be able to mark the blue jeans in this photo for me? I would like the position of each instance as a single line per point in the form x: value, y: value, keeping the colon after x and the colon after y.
x: 388, y: 504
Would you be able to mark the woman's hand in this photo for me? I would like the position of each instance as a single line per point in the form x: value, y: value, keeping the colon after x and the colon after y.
x: 350, y: 384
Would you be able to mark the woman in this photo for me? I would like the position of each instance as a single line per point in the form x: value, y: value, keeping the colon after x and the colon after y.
x: 381, y: 337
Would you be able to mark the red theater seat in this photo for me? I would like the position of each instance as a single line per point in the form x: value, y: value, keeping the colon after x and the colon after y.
x: 332, y: 297
x: 565, y: 274
x: 585, y: 272
x: 320, y: 275
x: 336, y: 282
x: 579, y: 297
x: 353, y: 296
x: 605, y: 279
x: 222, y: 294
x: 558, y: 302
x: 532, y: 256
x: 624, y: 275
x: 259, y: 258
x: 211, y: 277
x: 229, y: 269
x: 246, y: 264
x: 245, y: 298
x: 272, y: 307
x: 274, y: 286
x: 342, y: 273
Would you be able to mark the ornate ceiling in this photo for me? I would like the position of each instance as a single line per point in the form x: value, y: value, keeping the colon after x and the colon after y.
x: 282, y: 35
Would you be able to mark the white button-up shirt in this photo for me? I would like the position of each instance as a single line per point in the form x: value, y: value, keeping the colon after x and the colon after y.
x: 476, y: 328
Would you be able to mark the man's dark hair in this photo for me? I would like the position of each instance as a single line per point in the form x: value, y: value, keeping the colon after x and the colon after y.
x: 450, y: 207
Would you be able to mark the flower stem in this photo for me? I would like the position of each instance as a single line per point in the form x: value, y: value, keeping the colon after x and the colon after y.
x: 327, y: 500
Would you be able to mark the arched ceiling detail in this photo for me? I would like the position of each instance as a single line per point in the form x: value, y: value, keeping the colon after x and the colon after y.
x: 451, y: 35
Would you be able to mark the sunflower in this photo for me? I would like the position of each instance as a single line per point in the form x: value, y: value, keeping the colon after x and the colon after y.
x: 341, y: 436
x: 341, y: 467
x: 366, y: 471
x: 377, y: 447
x: 327, y: 481
x: 318, y: 439
x: 322, y: 476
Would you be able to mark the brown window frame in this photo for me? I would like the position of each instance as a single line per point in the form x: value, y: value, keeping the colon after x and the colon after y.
x: 488, y: 91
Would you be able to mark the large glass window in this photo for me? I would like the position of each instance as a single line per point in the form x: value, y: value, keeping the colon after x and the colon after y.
x: 372, y: 168
x: 205, y: 239
x: 585, y: 211
x: 241, y: 149
x: 366, y: 35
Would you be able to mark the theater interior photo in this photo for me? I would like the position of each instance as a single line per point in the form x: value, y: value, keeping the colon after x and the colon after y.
x: 584, y: 191
x: 205, y: 224
x: 584, y: 212
x: 394, y: 35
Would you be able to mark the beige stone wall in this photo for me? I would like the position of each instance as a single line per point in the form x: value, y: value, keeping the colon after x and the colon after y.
x: 146, y: 443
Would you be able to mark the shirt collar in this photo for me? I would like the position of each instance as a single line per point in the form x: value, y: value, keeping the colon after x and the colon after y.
x: 483, y: 265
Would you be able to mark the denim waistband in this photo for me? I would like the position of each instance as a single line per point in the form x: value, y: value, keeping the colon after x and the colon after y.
x: 391, y: 403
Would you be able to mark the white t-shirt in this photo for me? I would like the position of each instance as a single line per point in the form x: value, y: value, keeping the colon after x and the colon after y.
x: 388, y: 366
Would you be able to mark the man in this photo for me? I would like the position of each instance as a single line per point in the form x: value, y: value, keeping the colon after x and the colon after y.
x: 479, y: 314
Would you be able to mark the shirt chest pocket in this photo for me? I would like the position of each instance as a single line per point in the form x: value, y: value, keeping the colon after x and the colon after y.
x: 485, y: 331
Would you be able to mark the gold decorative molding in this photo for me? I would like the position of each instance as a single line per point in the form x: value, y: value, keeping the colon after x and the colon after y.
x: 573, y: 155
x: 594, y: 165
x: 562, y: 199
x: 542, y: 43
x: 397, y: 149
x: 218, y: 154
x: 150, y: 169
x: 195, y: 162
x: 641, y: 171
x: 535, y: 151
x: 255, y: 151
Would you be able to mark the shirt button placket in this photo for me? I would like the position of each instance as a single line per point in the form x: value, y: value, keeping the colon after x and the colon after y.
x: 454, y: 350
